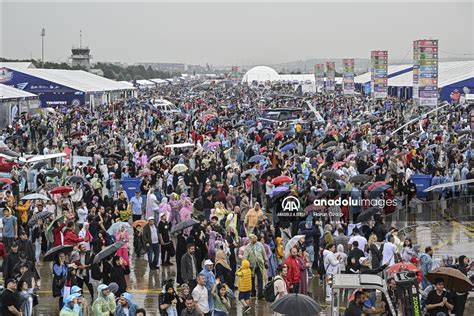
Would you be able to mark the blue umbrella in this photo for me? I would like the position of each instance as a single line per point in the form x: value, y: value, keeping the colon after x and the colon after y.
x: 287, y: 147
x: 278, y: 190
x: 250, y: 122
x: 268, y: 136
x: 256, y: 158
x: 251, y: 130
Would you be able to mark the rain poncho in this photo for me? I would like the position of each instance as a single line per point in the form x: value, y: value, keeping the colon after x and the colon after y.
x: 102, y: 305
x: 132, y: 308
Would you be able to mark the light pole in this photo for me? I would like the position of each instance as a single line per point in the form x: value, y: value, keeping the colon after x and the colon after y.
x: 43, y: 34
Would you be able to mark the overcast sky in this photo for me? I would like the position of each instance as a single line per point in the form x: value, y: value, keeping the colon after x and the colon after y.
x: 232, y: 32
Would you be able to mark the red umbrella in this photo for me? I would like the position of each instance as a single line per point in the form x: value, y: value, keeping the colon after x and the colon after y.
x: 403, y: 266
x: 263, y: 149
x: 337, y: 165
x: 146, y: 173
x: 61, y: 190
x: 6, y: 181
x: 279, y: 134
x: 281, y: 179
x: 375, y: 184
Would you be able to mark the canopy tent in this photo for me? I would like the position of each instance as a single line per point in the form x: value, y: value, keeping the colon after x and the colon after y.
x: 159, y: 81
x: 145, y: 84
x: 14, y: 101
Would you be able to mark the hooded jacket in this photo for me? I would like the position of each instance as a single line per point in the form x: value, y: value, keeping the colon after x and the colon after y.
x: 132, y: 308
x: 102, y: 304
x: 245, y: 277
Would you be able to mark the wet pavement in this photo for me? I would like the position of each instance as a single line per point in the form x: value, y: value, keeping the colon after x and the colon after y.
x: 447, y: 237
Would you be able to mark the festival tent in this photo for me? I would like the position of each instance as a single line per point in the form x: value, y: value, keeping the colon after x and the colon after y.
x: 392, y: 71
x: 58, y: 87
x: 451, y: 75
x: 145, y: 84
x: 159, y: 81
x: 13, y: 102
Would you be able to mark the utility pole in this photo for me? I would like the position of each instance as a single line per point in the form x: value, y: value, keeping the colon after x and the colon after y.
x: 43, y: 34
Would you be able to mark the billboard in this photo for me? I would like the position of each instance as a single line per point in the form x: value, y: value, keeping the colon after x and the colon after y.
x: 348, y: 76
x: 330, y: 76
x: 425, y: 56
x: 319, y: 75
x: 379, y: 73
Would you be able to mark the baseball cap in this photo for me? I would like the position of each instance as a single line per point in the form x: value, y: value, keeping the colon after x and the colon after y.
x: 75, y: 289
x: 208, y: 262
x: 362, y: 259
x: 151, y: 218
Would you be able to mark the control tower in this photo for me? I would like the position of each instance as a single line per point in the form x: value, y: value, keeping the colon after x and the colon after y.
x: 81, y: 55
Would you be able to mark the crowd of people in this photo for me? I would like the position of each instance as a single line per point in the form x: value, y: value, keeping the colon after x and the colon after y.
x: 213, y: 175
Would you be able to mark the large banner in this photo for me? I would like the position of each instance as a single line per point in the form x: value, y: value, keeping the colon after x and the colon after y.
x: 379, y: 77
x: 330, y: 76
x: 416, y: 70
x: 319, y: 75
x: 348, y: 76
x: 428, y: 72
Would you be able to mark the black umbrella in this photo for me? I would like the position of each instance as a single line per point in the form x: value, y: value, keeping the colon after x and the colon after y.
x: 329, y: 144
x: 280, y: 195
x: 367, y: 214
x: 53, y: 252
x: 362, y: 153
x: 108, y: 251
x: 12, y: 138
x: 271, y: 172
x: 40, y: 215
x: 312, y: 153
x: 76, y: 179
x: 360, y: 178
x: 331, y: 174
x: 183, y: 225
x: 39, y: 165
x: 375, y: 193
x: 52, y: 173
x: 372, y: 168
x: 296, y: 305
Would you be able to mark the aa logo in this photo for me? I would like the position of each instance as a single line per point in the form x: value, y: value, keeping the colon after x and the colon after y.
x: 290, y: 204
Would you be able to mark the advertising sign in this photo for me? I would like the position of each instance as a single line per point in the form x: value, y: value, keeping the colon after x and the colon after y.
x: 319, y: 75
x: 425, y: 68
x: 330, y: 76
x: 379, y: 73
x: 348, y: 76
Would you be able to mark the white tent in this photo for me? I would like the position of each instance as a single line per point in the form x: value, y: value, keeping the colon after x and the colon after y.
x: 392, y: 69
x: 261, y: 74
x: 448, y: 73
x: 10, y: 93
x: 145, y: 83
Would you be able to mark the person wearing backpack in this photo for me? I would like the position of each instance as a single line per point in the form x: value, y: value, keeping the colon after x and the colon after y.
x: 279, y: 285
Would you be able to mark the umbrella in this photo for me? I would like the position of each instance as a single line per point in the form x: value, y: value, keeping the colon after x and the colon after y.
x: 156, y: 158
x: 116, y: 226
x: 367, y: 214
x: 296, y: 305
x: 53, y: 252
x: 278, y: 134
x: 12, y: 138
x: 375, y: 184
x: 6, y: 181
x: 250, y: 122
x: 360, y: 178
x: 35, y: 196
x: 287, y: 147
x: 40, y: 215
x: 114, y: 156
x: 331, y: 174
x: 291, y: 243
x: 375, y: 193
x: 268, y: 136
x: 140, y: 222
x: 350, y: 157
x: 271, y: 172
x: 329, y: 144
x: 183, y: 145
x: 52, y: 173
x: 367, y: 185
x: 402, y: 266
x: 39, y: 165
x: 213, y: 144
x: 183, y: 225
x: 146, y: 173
x: 61, y: 190
x: 453, y: 279
x: 372, y: 168
x: 76, y: 179
x: 257, y: 158
x: 463, y: 132
x: 278, y: 195
x: 363, y: 153
x: 50, y: 226
x: 179, y: 168
x: 253, y: 172
x: 281, y: 179
x: 278, y: 190
x: 312, y: 153
x: 400, y: 154
x: 107, y: 251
